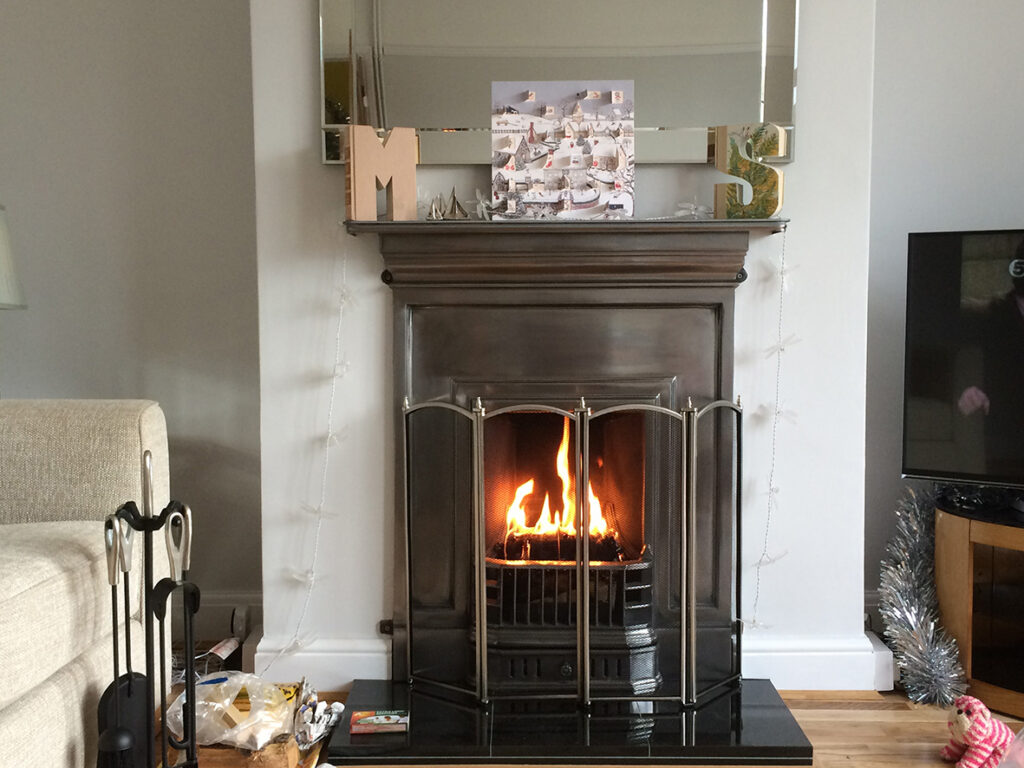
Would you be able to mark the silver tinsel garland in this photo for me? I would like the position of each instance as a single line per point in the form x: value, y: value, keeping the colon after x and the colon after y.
x: 927, y: 657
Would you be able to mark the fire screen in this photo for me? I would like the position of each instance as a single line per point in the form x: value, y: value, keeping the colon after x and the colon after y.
x: 561, y: 554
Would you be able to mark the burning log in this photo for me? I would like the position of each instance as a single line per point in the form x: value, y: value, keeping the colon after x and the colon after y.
x: 559, y: 546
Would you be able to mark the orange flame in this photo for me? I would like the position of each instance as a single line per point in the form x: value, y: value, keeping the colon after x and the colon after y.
x: 558, y: 522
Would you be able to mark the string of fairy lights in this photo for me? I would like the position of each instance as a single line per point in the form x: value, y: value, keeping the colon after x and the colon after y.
x: 775, y: 414
x: 318, y: 512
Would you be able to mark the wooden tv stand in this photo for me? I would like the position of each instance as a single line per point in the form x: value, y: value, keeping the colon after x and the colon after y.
x: 979, y: 578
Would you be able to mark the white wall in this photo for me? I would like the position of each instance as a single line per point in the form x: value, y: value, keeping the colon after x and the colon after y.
x: 811, y: 600
x: 301, y: 250
x: 945, y: 157
x: 126, y: 169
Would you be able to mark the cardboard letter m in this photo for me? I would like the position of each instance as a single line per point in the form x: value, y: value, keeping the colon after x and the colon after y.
x: 375, y: 164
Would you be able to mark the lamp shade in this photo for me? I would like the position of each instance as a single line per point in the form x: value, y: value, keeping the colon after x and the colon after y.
x: 10, y: 290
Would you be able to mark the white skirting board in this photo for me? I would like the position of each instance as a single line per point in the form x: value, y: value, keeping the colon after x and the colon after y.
x: 796, y: 663
x: 329, y: 665
x: 885, y: 664
x: 813, y: 663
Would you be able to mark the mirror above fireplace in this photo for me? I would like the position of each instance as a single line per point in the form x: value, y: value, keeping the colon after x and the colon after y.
x: 429, y: 64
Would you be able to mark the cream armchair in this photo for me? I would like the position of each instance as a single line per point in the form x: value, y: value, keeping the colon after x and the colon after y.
x: 64, y: 466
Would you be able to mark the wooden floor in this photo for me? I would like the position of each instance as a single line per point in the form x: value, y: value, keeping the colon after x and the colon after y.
x: 854, y: 729
x: 864, y: 729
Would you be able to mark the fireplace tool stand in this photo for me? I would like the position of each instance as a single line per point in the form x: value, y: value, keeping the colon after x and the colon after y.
x: 175, y: 520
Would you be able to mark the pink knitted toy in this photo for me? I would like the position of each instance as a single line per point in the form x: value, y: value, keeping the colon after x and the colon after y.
x: 978, y: 739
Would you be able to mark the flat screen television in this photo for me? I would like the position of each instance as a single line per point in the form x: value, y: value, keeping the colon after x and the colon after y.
x: 963, y: 403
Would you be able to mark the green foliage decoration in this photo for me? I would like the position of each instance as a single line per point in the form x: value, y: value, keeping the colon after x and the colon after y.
x: 762, y: 142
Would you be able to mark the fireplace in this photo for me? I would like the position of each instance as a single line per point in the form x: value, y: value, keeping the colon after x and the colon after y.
x: 568, y: 464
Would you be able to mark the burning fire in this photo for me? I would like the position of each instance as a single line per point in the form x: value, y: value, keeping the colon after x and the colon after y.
x: 551, y: 523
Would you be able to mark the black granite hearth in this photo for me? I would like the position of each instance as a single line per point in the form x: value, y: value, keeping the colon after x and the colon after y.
x: 748, y: 724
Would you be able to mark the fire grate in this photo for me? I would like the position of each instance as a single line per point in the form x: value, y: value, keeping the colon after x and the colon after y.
x: 523, y: 598
x: 544, y: 594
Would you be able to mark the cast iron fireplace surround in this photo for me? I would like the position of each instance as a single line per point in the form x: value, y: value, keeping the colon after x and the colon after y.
x: 568, y: 455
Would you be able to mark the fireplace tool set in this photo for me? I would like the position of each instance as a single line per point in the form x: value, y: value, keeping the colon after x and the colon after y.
x: 125, y: 717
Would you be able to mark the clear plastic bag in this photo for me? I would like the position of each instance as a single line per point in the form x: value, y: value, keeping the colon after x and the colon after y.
x: 237, y: 709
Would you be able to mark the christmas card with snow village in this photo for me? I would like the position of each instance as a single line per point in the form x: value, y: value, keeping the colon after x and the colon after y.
x: 562, y: 149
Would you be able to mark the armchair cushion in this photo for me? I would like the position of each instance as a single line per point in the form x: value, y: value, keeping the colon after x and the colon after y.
x: 54, y: 600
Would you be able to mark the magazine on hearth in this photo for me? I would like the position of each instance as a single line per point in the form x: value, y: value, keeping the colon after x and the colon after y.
x: 380, y: 721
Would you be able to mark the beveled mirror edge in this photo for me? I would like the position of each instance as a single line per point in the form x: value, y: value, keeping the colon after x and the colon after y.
x: 452, y: 147
x: 334, y: 134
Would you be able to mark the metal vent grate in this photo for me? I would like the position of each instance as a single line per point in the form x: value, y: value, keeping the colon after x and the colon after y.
x: 544, y: 595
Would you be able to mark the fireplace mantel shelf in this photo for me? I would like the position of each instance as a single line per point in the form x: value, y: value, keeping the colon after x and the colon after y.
x: 571, y: 225
x: 634, y: 252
